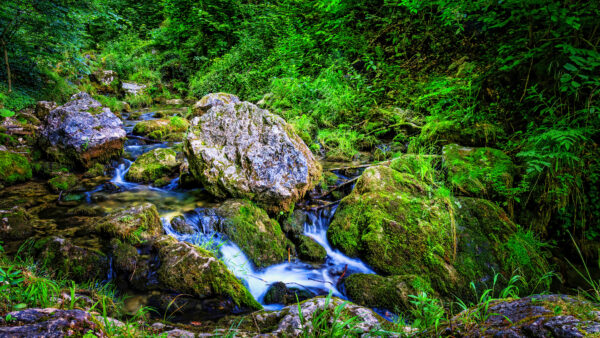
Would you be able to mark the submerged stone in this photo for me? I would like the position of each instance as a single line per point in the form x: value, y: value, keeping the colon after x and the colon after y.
x: 242, y: 151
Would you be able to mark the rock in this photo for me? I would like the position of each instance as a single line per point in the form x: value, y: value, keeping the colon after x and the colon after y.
x: 180, y: 225
x: 27, y: 115
x: 213, y: 100
x: 17, y: 224
x: 134, y: 225
x: 64, y: 258
x: 534, y: 316
x: 172, y: 129
x: 259, y: 236
x: 43, y: 108
x: 400, y: 225
x: 126, y: 107
x: 288, y: 323
x: 132, y: 88
x: 482, y: 172
x: 293, y: 225
x: 82, y: 133
x: 14, y: 168
x: 95, y: 171
x: 174, y: 102
x: 134, y: 270
x: 106, y: 81
x: 279, y: 293
x: 194, y: 271
x: 246, y: 152
x: 63, y: 182
x: 153, y: 165
x: 49, y: 322
x: 391, y: 293
x: 311, y: 251
x: 440, y: 133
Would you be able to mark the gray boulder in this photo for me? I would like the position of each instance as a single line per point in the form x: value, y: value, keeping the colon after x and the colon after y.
x: 106, y: 81
x: 213, y: 100
x: 82, y: 133
x: 243, y: 151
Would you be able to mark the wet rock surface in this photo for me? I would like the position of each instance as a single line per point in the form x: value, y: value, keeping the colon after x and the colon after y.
x: 153, y: 165
x: 280, y: 293
x: 82, y: 133
x: 534, y: 316
x: 48, y: 322
x: 213, y: 100
x: 242, y: 151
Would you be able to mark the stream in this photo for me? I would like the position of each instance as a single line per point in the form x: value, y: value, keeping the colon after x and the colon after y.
x: 173, y: 201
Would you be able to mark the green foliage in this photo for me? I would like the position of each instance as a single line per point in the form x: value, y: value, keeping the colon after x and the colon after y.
x: 428, y: 312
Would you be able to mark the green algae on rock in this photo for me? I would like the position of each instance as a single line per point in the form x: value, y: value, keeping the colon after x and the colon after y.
x: 481, y: 172
x: 14, y: 168
x: 189, y: 269
x: 259, y: 236
x: 153, y: 165
x: 134, y: 225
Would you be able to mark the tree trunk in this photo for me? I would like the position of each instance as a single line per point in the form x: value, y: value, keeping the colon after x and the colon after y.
x: 7, y: 67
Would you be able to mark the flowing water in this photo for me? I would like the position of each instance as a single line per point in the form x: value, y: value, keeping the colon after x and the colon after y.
x: 193, y: 204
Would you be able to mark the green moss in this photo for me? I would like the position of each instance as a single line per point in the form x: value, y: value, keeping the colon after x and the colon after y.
x: 153, y: 165
x: 63, y: 182
x: 440, y: 133
x: 190, y: 269
x: 311, y: 251
x: 134, y: 225
x: 259, y: 236
x: 162, y: 129
x: 66, y: 260
x: 478, y: 171
x: 390, y: 293
x: 14, y: 168
x: 95, y: 171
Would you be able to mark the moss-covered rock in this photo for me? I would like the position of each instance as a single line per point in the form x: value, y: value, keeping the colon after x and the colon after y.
x: 440, y: 133
x: 63, y: 182
x: 397, y: 225
x: 402, y: 226
x: 171, y: 129
x: 95, y: 171
x: 293, y: 224
x: 259, y: 236
x: 191, y: 270
x: 14, y: 168
x: 132, y: 269
x: 16, y: 224
x: 65, y: 259
x: 483, y: 172
x: 311, y: 251
x: 381, y: 292
x: 134, y: 225
x: 153, y: 166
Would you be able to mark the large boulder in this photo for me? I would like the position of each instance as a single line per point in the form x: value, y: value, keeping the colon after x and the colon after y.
x: 191, y: 270
x: 82, y: 133
x: 533, y: 316
x: 259, y: 236
x: 213, y: 100
x: 400, y: 225
x: 154, y: 165
x: 14, y: 168
x: 243, y: 151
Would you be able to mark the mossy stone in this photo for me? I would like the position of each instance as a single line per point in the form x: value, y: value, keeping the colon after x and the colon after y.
x: 63, y: 182
x: 14, y: 168
x: 153, y: 165
x: 439, y: 133
x: 480, y: 172
x: 259, y: 236
x: 163, y: 129
x: 62, y: 257
x: 133, y: 225
x: 391, y: 292
x: 311, y: 251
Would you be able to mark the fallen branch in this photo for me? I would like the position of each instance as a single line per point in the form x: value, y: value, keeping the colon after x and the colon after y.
x: 336, y: 188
